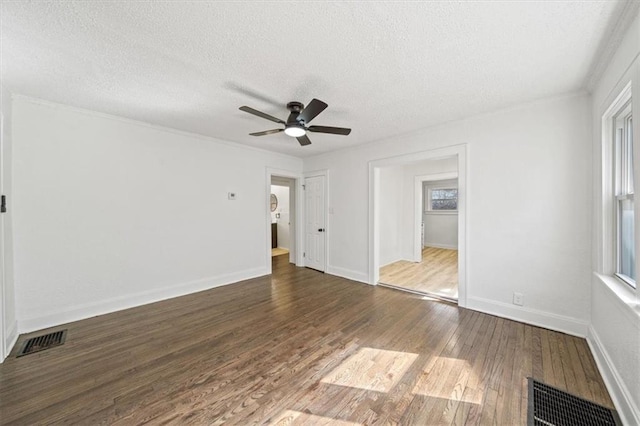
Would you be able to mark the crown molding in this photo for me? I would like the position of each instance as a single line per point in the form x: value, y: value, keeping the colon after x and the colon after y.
x: 624, y: 16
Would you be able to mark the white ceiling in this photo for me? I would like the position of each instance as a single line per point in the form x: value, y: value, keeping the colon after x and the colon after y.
x: 384, y: 68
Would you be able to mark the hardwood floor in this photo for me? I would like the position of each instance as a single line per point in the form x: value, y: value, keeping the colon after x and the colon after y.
x: 300, y: 347
x: 437, y: 273
x: 278, y: 251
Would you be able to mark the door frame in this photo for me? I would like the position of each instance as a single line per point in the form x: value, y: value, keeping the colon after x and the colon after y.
x: 458, y: 151
x: 325, y: 211
x: 298, y: 211
x: 418, y: 207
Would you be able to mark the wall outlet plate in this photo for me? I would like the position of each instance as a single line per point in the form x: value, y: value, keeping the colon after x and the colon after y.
x: 231, y: 195
x: 518, y: 299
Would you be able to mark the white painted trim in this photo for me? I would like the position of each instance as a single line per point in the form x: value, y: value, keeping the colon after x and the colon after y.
x: 606, y: 263
x: 399, y: 259
x: 621, y: 294
x: 4, y: 351
x: 458, y: 151
x: 298, y: 211
x: 348, y: 274
x: 418, y: 208
x: 627, y: 11
x: 443, y: 246
x: 327, y: 233
x: 98, y: 114
x: 12, y: 338
x: 535, y: 317
x: 624, y: 403
x: 102, y: 307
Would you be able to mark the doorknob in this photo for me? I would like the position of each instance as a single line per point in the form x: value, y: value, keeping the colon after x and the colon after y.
x: 321, y: 230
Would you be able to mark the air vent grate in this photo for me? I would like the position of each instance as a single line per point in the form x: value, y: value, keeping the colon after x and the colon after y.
x: 40, y: 343
x: 549, y: 406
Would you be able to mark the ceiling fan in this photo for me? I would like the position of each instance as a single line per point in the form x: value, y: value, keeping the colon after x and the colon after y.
x: 296, y: 124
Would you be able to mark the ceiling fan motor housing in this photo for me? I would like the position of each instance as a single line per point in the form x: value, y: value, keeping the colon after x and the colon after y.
x: 295, y: 108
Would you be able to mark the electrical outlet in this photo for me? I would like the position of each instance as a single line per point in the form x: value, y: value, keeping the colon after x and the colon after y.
x: 518, y: 299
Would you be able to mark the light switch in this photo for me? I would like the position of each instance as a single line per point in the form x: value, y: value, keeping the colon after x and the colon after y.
x: 231, y: 195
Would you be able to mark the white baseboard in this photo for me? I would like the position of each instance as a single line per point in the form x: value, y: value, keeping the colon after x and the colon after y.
x: 394, y: 261
x: 11, y: 339
x: 627, y: 409
x: 102, y: 307
x: 348, y: 274
x: 543, y: 319
x: 443, y: 246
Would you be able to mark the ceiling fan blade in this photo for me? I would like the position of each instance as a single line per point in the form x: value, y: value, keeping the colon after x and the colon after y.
x: 314, y: 108
x: 332, y: 130
x: 304, y: 140
x: 261, y: 114
x: 267, y: 132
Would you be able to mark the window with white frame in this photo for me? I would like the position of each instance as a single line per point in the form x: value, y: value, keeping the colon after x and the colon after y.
x: 624, y: 203
x: 618, y: 243
x: 443, y: 199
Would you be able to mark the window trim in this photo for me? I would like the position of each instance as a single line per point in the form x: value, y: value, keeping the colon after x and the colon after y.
x: 611, y: 184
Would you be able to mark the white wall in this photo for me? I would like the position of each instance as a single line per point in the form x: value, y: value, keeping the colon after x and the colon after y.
x: 614, y: 333
x: 111, y: 213
x: 7, y: 289
x: 440, y: 227
x: 528, y: 223
x: 391, y: 214
x: 282, y: 193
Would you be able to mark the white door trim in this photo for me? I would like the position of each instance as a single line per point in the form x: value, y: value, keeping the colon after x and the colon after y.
x: 325, y: 211
x: 418, y: 203
x: 458, y: 151
x: 3, y: 349
x: 298, y: 211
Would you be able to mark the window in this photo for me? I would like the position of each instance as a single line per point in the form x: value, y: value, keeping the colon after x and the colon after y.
x: 443, y: 199
x: 624, y: 203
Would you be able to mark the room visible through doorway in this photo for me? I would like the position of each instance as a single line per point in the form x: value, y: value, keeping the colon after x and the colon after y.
x: 418, y: 208
x: 281, y: 206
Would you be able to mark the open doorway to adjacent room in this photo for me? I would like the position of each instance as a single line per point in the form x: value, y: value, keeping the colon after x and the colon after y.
x: 282, y: 224
x: 418, y: 227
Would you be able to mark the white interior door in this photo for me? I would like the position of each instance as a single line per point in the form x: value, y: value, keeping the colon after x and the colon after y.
x: 315, y: 232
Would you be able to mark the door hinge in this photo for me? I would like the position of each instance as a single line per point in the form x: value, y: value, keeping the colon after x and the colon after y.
x: 304, y: 254
x: 3, y: 204
x: 304, y: 187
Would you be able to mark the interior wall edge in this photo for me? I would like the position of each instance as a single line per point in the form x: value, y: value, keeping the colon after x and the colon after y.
x: 108, y: 306
x: 11, y: 339
x: 551, y: 321
x: 628, y: 411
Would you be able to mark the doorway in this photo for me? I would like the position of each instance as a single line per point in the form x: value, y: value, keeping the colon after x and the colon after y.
x: 282, y: 215
x: 283, y: 230
x: 431, y: 266
x: 407, y: 196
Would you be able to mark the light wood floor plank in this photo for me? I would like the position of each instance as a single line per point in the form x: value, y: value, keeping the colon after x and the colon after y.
x: 437, y: 273
x: 298, y: 347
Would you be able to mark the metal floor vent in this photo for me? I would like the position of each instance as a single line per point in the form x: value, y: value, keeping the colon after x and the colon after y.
x: 40, y: 343
x: 549, y: 406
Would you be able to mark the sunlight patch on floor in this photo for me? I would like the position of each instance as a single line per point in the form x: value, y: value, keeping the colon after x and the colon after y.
x: 447, y: 379
x: 371, y: 369
x: 291, y: 417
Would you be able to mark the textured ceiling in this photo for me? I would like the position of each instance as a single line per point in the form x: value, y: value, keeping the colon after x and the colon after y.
x: 384, y: 68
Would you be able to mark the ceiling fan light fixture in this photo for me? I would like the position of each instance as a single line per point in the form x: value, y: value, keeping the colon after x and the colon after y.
x: 295, y: 131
